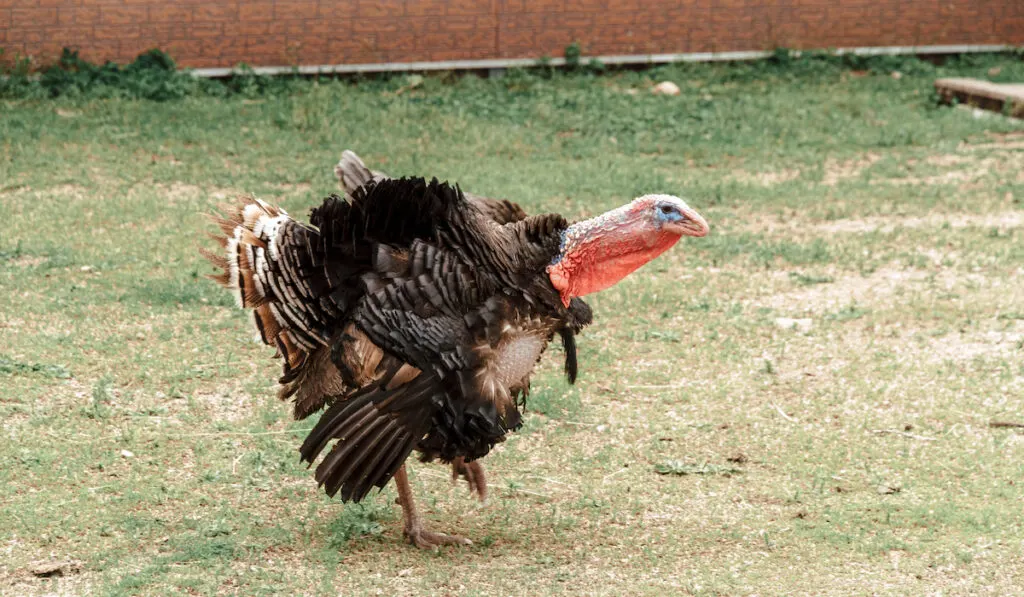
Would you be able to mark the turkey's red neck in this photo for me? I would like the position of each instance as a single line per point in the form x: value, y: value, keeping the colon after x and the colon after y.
x: 599, y: 252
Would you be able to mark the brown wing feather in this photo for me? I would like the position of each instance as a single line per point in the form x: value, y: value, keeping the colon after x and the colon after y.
x: 376, y: 428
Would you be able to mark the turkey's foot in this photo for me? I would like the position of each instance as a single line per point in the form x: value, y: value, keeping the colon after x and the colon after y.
x: 425, y: 539
x: 413, y: 529
x: 474, y: 474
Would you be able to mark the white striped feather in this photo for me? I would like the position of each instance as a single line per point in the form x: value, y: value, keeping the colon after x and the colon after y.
x: 251, y: 213
x: 260, y: 270
x: 251, y: 258
x: 269, y: 233
x: 232, y: 256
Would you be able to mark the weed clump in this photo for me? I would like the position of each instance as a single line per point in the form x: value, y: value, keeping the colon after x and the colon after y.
x: 153, y: 75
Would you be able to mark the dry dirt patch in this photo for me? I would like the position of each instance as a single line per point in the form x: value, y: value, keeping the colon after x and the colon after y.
x: 766, y: 178
x: 178, y: 192
x: 836, y: 170
x: 70, y: 191
x: 972, y: 170
x: 1001, y: 220
x: 1008, y: 140
x: 300, y: 188
x: 227, y: 404
x: 961, y: 167
x: 876, y: 289
x: 947, y: 159
x: 774, y: 224
x: 28, y: 260
x: 887, y: 288
x: 1005, y: 343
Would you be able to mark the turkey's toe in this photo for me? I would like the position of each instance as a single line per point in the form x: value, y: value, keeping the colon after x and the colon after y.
x: 424, y: 539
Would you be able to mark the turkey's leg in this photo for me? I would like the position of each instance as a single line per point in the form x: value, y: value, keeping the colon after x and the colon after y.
x: 413, y: 529
x: 474, y: 474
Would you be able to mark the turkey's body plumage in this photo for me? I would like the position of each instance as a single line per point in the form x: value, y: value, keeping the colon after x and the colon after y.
x: 353, y: 173
x: 414, y: 315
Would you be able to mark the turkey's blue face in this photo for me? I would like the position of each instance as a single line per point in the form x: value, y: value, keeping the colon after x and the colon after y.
x: 674, y: 215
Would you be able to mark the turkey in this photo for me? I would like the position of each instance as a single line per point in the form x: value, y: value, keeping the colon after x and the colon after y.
x: 416, y: 317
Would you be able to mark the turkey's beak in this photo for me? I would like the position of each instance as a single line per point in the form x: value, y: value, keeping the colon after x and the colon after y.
x: 692, y: 224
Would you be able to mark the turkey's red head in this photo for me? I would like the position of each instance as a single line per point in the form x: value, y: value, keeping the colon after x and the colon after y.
x: 599, y: 252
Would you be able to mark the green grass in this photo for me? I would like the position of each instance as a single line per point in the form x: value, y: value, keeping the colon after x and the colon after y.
x: 142, y: 437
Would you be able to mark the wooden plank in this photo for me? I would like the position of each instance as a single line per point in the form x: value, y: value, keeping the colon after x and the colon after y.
x: 1005, y: 98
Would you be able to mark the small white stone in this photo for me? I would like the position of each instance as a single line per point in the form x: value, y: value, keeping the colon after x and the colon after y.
x: 86, y: 268
x: 666, y: 88
x: 788, y: 323
x: 127, y: 454
x: 601, y: 428
x: 896, y: 75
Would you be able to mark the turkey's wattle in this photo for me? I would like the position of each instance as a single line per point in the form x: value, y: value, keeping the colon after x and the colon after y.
x: 414, y: 315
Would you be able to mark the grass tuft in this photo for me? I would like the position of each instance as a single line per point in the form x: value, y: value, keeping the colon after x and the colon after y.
x: 358, y: 520
x: 12, y: 367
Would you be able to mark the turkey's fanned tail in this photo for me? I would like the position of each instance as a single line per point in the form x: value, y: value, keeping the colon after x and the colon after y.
x: 270, y: 262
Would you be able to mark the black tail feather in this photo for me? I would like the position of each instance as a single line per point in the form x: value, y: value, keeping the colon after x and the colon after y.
x: 569, y: 344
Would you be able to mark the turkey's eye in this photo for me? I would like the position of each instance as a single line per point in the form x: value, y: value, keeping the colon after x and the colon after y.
x: 667, y: 209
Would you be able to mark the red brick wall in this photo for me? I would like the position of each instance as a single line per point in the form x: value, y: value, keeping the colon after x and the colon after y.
x: 206, y: 33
